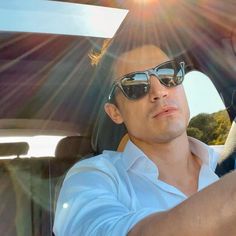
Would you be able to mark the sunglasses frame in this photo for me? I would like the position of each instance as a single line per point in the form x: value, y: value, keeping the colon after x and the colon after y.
x: 148, y: 72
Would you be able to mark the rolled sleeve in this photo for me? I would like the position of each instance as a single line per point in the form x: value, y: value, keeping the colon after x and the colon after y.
x: 89, y: 205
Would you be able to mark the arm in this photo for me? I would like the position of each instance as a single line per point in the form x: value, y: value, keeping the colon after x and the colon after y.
x: 211, y: 212
x: 89, y: 204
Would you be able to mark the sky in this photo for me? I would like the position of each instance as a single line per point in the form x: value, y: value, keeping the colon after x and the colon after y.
x: 60, y: 18
x: 201, y: 94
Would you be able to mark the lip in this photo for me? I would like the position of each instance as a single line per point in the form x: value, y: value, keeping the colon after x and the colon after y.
x: 165, y: 111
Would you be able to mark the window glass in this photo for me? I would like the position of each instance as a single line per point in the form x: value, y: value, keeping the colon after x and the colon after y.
x: 209, y: 120
x: 40, y: 145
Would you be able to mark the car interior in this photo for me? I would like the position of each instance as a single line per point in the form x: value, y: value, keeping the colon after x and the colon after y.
x: 49, y: 87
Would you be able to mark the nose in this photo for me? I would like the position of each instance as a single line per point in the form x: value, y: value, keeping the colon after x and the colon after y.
x: 157, y: 90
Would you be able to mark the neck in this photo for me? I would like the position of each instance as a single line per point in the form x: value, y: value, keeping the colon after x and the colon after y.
x: 171, y: 152
x: 175, y: 161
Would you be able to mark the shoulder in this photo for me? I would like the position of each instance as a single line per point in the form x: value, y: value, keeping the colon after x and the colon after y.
x: 104, y: 167
x: 104, y: 161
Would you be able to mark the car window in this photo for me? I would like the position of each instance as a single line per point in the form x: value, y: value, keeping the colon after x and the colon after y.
x: 39, y: 145
x: 209, y: 120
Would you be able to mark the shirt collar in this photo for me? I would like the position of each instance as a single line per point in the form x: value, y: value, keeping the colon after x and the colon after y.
x: 205, y: 153
x: 131, y: 154
x: 208, y: 157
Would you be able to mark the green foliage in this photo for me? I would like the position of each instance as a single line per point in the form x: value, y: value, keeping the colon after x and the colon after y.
x: 195, y: 132
x: 212, y: 128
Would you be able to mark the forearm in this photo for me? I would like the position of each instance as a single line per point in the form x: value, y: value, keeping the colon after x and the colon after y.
x: 209, y: 212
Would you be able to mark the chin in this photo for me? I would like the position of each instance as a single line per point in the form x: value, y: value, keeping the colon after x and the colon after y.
x: 170, y: 133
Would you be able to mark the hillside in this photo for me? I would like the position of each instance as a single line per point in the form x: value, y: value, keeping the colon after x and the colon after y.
x: 212, y: 128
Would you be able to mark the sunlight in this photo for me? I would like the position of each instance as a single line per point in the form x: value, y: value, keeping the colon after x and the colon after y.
x: 60, y: 18
x: 144, y: 2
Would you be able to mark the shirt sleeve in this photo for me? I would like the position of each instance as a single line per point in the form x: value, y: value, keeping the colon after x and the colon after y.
x: 88, y: 206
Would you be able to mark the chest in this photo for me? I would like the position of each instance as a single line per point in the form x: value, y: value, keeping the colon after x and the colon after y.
x: 146, y: 191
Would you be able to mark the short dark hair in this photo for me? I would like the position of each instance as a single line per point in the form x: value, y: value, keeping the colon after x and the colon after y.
x: 131, y: 35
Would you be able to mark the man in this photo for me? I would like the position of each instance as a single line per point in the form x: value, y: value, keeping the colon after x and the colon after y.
x: 152, y: 188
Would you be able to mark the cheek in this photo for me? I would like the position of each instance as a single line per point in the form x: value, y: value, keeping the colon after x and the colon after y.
x: 183, y: 102
x: 131, y: 112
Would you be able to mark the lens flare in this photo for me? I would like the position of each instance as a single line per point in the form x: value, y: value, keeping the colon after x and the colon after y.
x: 144, y: 1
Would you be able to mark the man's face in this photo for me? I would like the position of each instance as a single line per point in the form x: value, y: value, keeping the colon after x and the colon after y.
x: 159, y: 116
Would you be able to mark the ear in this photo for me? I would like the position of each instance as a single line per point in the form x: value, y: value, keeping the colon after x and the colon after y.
x: 113, y: 112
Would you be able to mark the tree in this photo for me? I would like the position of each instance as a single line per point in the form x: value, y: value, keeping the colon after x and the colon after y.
x: 195, y: 132
x: 210, y: 128
x: 223, y: 126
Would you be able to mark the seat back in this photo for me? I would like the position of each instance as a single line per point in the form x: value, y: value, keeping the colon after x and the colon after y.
x: 14, y: 180
x: 27, y: 189
x: 15, y: 192
x: 73, y: 147
x: 106, y: 134
x: 228, y: 155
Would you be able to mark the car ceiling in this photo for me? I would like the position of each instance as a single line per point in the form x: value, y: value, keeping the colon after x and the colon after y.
x: 50, y: 77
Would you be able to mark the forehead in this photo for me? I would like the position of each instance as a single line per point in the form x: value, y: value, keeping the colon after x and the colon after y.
x: 139, y: 59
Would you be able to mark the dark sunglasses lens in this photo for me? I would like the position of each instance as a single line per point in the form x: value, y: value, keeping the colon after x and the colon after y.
x: 135, y: 85
x: 170, y: 74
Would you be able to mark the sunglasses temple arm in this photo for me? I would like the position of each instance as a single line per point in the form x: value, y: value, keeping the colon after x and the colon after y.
x: 182, y: 65
x: 112, y: 91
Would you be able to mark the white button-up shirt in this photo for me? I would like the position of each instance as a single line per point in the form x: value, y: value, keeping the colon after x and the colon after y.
x: 108, y: 194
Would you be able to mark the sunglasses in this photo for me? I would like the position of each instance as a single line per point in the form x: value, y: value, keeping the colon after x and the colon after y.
x: 136, y: 85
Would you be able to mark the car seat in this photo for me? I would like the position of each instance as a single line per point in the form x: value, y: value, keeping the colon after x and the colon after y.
x: 106, y: 134
x: 228, y: 157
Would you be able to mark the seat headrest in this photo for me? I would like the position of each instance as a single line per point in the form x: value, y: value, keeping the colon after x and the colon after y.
x: 106, y: 134
x: 73, y: 147
x: 14, y: 149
